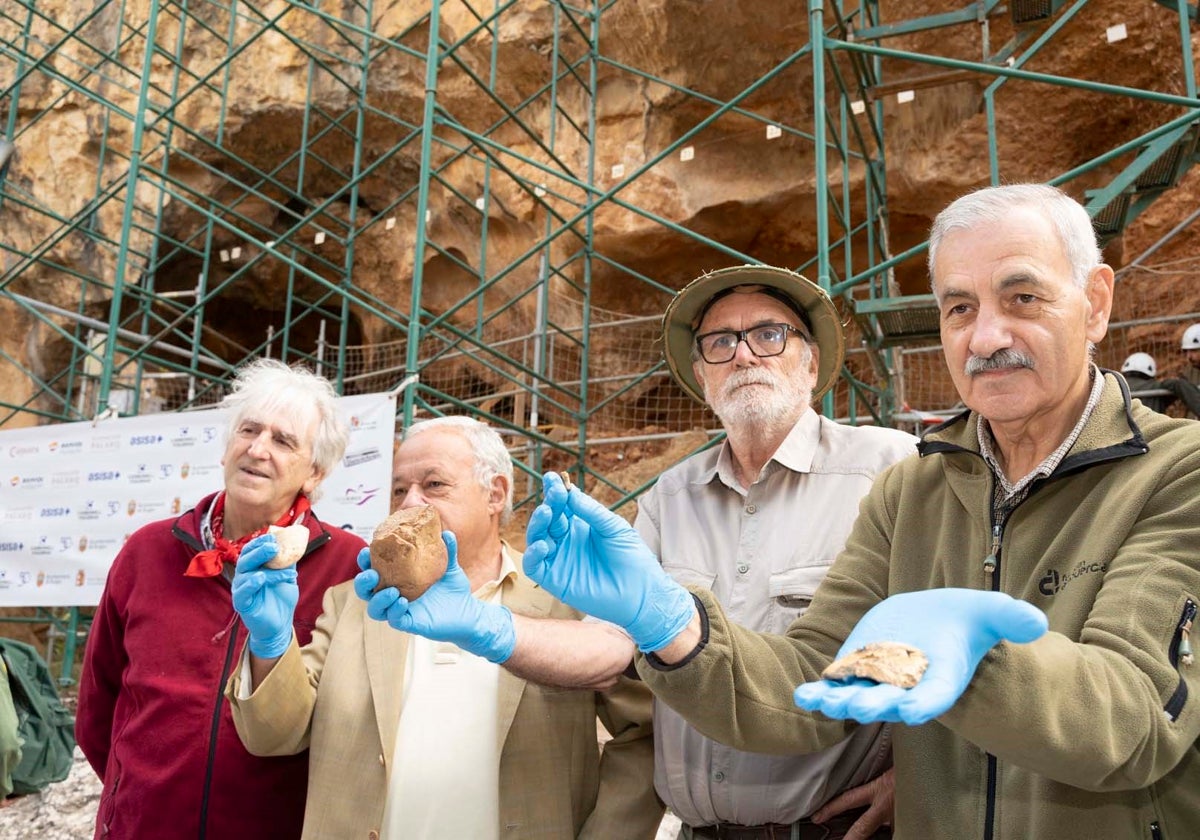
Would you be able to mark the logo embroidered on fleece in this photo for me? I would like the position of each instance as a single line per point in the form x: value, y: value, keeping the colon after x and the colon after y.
x: 1053, y: 582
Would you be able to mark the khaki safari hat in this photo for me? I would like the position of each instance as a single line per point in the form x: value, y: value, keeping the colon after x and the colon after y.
x: 686, y: 308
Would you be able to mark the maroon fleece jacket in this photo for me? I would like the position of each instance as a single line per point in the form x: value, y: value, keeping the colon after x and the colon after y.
x: 151, y: 718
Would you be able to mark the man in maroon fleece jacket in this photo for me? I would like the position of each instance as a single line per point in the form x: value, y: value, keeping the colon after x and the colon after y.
x: 151, y: 718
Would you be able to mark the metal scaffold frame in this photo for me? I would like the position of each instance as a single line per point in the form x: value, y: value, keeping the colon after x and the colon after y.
x: 186, y: 221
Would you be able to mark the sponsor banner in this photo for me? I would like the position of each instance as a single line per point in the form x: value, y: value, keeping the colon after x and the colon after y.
x: 72, y: 494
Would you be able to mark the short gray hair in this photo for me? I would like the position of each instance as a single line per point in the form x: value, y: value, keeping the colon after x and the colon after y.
x: 491, y: 455
x: 990, y: 205
x: 267, y: 388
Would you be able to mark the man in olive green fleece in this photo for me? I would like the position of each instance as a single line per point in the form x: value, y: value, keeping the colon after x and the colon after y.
x: 1041, y: 550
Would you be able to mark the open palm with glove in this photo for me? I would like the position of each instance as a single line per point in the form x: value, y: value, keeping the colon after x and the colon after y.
x: 954, y: 628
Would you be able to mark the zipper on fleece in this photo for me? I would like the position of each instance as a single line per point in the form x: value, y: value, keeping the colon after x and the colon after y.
x: 1180, y: 655
x: 990, y: 564
x: 989, y: 820
x: 214, y: 730
x: 993, y: 558
x: 1181, y: 644
x: 1155, y: 831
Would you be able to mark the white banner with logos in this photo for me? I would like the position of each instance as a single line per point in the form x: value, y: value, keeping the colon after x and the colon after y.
x: 72, y: 493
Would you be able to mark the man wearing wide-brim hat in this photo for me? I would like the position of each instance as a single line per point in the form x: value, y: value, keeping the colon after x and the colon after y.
x: 759, y: 520
x: 809, y: 302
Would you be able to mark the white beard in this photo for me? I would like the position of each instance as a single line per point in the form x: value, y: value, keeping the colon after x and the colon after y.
x: 773, y: 401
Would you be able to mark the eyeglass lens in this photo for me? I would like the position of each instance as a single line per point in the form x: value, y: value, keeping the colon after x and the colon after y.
x: 764, y: 340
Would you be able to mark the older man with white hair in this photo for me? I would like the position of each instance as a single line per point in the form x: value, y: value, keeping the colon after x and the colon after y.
x: 415, y: 739
x: 151, y: 719
x: 758, y: 519
x: 1040, y: 553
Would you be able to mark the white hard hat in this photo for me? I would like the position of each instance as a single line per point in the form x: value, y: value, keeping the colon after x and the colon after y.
x: 1140, y: 363
x: 1191, y: 338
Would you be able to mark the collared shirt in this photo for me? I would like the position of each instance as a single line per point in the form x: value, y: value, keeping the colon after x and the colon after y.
x: 1011, y: 494
x: 445, y: 780
x: 763, y: 550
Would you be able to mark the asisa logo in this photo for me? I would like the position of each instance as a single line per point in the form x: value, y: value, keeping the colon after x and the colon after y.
x: 103, y: 475
x: 145, y: 440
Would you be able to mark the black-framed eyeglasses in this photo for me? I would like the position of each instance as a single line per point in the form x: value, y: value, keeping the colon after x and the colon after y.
x: 765, y: 340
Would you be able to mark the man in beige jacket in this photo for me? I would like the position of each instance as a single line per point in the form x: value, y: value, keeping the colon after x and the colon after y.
x: 414, y: 739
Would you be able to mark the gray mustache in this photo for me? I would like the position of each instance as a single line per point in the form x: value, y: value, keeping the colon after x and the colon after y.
x: 1000, y: 360
x: 747, y: 377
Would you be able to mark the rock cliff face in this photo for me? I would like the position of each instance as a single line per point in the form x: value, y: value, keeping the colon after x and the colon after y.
x: 234, y: 102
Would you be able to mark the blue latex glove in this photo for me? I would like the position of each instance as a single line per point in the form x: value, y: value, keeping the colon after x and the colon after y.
x: 265, y: 598
x: 446, y: 612
x: 955, y: 628
x: 587, y: 556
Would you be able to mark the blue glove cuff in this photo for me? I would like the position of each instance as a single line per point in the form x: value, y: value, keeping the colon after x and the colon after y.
x: 667, y: 613
x: 271, y: 648
x: 498, y: 636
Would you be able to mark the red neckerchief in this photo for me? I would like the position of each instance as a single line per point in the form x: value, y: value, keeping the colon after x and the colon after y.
x: 208, y: 563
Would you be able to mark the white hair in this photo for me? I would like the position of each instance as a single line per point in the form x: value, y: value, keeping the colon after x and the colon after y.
x: 491, y: 455
x: 267, y: 388
x: 991, y: 204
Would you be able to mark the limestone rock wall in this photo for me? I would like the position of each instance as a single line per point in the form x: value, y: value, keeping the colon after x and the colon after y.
x: 245, y: 109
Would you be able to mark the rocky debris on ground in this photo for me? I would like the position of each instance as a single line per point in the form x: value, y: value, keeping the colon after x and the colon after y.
x: 65, y: 810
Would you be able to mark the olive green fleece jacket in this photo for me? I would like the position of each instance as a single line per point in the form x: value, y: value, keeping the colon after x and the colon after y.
x: 1089, y: 732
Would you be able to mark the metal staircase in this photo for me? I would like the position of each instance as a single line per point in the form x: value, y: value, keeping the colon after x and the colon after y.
x: 1158, y: 166
x: 906, y: 320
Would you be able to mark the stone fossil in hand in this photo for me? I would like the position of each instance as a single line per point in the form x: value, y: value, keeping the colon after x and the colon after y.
x: 291, y: 541
x: 884, y: 662
x: 408, y: 552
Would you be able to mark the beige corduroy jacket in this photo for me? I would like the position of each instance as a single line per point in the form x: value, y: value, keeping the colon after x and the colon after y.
x: 554, y: 783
